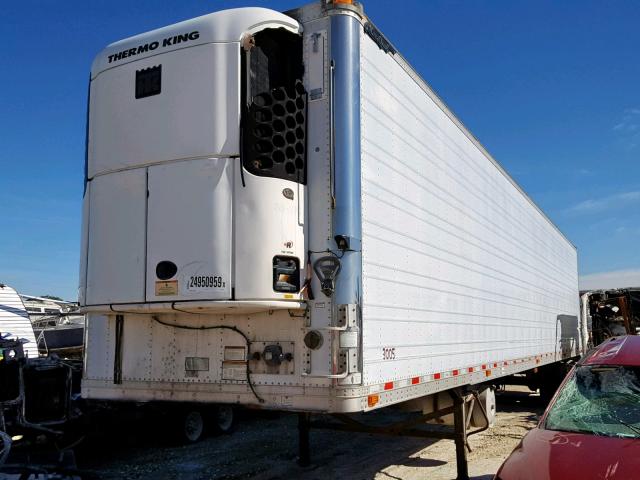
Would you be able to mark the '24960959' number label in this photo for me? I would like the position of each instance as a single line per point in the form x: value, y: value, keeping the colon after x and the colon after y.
x: 206, y: 281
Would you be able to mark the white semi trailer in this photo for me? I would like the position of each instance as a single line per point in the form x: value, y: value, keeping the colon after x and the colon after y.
x: 280, y: 212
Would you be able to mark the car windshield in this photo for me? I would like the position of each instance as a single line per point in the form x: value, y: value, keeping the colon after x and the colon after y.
x: 599, y: 400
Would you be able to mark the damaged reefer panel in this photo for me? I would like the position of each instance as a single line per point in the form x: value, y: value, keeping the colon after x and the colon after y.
x: 279, y: 211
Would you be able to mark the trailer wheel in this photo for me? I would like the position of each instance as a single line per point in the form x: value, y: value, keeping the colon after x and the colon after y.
x: 224, y: 419
x: 191, y: 426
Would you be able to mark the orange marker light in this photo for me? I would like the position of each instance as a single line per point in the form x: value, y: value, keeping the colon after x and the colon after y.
x: 372, y: 400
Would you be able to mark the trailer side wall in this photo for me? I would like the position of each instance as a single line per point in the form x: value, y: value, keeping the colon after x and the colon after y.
x: 460, y: 269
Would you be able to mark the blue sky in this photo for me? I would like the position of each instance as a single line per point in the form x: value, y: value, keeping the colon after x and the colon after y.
x: 550, y: 88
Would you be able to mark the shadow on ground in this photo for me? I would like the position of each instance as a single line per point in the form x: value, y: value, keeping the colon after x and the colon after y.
x: 264, y: 447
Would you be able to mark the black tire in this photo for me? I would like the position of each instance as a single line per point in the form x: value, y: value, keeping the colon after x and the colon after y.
x: 190, y: 427
x: 224, y: 419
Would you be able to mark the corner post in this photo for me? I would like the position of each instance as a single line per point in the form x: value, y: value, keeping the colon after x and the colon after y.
x: 347, y: 216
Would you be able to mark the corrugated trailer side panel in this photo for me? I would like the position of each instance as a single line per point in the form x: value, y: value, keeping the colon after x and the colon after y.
x: 460, y: 269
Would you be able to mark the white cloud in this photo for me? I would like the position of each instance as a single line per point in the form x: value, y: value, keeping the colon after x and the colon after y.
x: 597, y: 205
x: 610, y: 280
x: 628, y: 129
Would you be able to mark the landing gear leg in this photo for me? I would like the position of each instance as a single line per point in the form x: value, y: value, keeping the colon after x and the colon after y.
x: 460, y: 435
x: 304, y: 424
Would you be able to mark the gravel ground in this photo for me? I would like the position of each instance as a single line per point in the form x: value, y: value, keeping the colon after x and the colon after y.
x: 264, y: 447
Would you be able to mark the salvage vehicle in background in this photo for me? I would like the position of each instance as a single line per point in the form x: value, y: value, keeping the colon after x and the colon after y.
x: 36, y: 391
x: 591, y: 429
x: 42, y: 415
x: 611, y: 313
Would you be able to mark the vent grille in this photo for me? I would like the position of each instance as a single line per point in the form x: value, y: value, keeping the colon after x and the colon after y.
x: 275, y: 134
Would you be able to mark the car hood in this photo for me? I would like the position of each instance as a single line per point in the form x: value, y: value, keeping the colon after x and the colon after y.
x: 552, y: 455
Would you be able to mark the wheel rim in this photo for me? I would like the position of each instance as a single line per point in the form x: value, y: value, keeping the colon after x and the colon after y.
x: 193, y: 426
x: 224, y: 417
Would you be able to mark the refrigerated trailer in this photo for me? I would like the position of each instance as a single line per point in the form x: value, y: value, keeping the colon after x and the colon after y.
x: 280, y: 212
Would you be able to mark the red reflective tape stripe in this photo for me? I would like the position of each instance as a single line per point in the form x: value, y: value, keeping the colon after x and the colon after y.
x: 388, y: 386
x: 455, y: 372
x: 415, y: 380
x: 436, y: 376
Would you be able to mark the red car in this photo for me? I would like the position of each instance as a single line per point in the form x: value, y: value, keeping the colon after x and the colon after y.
x: 591, y: 428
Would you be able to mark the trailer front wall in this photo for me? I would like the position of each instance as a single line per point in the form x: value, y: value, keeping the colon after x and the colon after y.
x: 460, y: 269
x: 190, y: 357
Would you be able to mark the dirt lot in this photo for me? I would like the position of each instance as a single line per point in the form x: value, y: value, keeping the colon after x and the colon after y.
x: 264, y: 446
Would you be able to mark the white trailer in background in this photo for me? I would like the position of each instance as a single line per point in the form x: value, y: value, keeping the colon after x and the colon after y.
x: 280, y: 212
x: 15, y: 323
